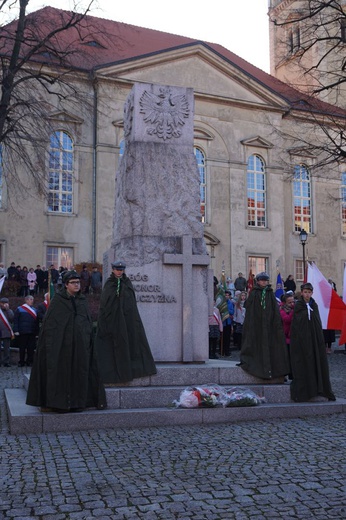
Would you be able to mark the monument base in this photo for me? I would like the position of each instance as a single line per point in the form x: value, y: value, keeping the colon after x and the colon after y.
x: 148, y: 402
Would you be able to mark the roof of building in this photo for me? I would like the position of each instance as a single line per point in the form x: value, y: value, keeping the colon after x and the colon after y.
x: 98, y: 43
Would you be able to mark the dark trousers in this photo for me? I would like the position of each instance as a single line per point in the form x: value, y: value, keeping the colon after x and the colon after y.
x: 213, y: 344
x: 5, y: 351
x: 27, y: 345
x: 226, y: 350
x: 24, y: 290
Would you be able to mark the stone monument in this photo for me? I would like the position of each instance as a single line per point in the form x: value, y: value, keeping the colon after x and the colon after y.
x: 157, y: 228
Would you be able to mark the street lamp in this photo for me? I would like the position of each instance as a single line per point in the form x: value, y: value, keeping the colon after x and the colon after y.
x: 303, y: 236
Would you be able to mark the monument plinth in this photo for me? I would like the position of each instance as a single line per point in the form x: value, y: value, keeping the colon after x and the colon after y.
x: 157, y: 228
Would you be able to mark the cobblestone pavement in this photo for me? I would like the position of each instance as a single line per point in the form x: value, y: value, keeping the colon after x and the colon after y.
x: 275, y: 469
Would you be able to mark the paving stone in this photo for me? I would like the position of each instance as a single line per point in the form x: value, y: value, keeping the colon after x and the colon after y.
x: 268, y: 469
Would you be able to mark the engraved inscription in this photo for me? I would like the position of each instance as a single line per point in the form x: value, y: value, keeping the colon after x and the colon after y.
x: 150, y: 293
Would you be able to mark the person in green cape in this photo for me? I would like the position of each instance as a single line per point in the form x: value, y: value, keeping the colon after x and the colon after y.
x: 263, y: 352
x: 122, y: 347
x: 308, y: 352
x: 64, y: 376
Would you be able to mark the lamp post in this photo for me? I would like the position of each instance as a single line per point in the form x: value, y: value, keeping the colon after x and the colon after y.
x: 303, y: 236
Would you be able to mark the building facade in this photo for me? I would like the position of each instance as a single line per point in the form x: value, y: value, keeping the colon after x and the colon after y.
x: 257, y: 182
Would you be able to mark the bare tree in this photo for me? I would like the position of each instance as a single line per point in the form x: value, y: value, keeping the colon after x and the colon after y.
x: 310, y: 40
x: 313, y: 36
x: 36, y: 68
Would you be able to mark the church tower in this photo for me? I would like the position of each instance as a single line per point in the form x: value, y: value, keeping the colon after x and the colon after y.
x: 308, y: 52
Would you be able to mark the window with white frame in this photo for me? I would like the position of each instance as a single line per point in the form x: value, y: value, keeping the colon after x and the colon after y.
x: 258, y: 264
x: 60, y: 186
x: 59, y: 256
x: 200, y: 157
x: 299, y: 270
x: 256, y: 192
x: 343, y: 203
x: 302, y: 203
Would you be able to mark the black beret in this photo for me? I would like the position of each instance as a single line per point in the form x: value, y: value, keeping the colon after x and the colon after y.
x: 262, y: 276
x: 70, y: 275
x: 307, y: 285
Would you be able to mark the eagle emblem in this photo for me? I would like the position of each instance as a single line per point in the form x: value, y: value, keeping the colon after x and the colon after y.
x: 164, y: 112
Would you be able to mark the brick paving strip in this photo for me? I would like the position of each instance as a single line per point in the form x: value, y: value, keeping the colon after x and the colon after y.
x: 275, y: 469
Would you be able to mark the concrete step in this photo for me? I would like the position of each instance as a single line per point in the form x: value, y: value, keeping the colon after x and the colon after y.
x: 124, y: 397
x: 221, y: 372
x: 24, y: 419
x: 162, y: 389
x: 157, y: 397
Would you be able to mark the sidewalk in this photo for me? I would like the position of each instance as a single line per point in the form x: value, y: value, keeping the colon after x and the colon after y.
x: 256, y: 470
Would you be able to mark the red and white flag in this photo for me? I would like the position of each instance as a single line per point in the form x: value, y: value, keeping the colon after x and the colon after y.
x: 344, y: 286
x: 2, y: 280
x: 332, y: 308
x: 250, y: 282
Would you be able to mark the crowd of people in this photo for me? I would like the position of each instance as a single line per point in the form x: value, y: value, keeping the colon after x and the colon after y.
x: 277, y: 338
x: 36, y: 281
x: 70, y: 363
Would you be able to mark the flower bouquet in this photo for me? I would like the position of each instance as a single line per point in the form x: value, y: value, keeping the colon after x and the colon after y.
x: 236, y: 396
x: 206, y: 396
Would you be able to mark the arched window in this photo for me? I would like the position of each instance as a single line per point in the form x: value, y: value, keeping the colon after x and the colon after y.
x: 200, y: 157
x: 256, y: 192
x: 343, y: 203
x: 60, y: 196
x: 302, y: 199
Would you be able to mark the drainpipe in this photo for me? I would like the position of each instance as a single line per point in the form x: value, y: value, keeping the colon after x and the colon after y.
x: 94, y: 174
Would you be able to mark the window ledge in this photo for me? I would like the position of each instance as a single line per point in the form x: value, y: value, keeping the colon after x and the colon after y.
x: 257, y: 228
x: 59, y: 214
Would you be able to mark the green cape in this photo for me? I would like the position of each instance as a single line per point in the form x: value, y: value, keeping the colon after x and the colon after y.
x: 308, y: 354
x: 263, y: 351
x: 122, y: 346
x: 64, y: 374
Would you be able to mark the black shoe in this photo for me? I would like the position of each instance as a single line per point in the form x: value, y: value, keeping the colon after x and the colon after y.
x: 21, y: 364
x: 7, y: 365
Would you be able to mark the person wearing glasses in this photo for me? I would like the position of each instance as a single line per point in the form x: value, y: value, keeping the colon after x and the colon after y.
x: 121, y: 343
x: 64, y: 376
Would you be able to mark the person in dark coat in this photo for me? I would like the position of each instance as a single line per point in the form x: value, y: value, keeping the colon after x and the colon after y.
x: 42, y: 308
x: 25, y: 328
x: 6, y: 332
x: 308, y: 354
x: 290, y: 284
x: 12, y: 273
x: 122, y: 346
x: 263, y: 352
x: 64, y: 377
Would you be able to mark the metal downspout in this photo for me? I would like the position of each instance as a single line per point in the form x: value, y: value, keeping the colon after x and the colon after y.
x: 94, y: 175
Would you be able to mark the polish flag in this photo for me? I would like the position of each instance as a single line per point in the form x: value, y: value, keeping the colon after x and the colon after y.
x: 332, y: 308
x: 2, y: 280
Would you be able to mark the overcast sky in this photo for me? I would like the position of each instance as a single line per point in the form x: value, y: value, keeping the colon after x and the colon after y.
x: 239, y: 25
